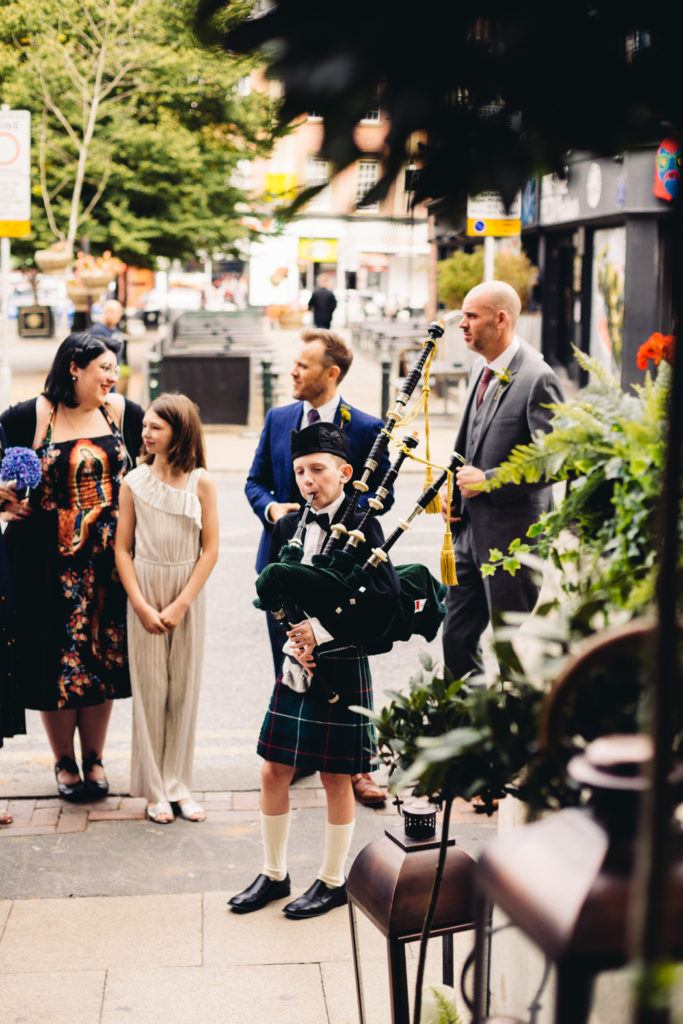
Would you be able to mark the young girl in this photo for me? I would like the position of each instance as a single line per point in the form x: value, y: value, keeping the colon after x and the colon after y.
x: 168, y: 516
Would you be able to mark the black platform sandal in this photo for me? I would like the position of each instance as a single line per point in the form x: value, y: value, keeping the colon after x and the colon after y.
x: 96, y: 789
x: 72, y: 791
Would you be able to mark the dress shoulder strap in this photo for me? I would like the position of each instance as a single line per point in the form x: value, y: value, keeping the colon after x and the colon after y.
x: 113, y: 425
x: 47, y: 437
x: 193, y: 480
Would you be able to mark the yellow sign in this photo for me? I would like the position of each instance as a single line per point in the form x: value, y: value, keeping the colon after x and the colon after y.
x: 493, y: 226
x: 318, y: 250
x: 487, y: 215
x: 281, y: 188
x: 15, y: 228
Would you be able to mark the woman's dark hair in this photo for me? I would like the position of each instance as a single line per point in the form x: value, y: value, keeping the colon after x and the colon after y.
x: 186, y: 451
x: 80, y: 348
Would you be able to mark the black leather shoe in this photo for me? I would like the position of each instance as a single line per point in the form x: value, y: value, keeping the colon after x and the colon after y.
x: 74, y: 792
x: 317, y: 900
x: 95, y: 789
x: 262, y: 890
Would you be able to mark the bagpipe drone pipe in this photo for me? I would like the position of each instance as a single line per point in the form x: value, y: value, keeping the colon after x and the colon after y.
x: 343, y: 588
x: 394, y: 416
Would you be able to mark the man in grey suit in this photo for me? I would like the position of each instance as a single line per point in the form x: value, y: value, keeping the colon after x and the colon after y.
x: 510, y: 384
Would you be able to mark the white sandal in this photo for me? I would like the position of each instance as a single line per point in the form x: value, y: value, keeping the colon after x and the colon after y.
x: 154, y: 812
x: 189, y: 809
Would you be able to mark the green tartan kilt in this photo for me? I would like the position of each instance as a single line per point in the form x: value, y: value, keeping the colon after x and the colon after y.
x: 306, y: 731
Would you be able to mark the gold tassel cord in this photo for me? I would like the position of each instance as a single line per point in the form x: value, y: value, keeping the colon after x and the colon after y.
x: 448, y: 573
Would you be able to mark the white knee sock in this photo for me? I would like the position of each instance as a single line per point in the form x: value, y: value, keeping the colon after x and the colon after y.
x: 274, y: 833
x: 337, y: 843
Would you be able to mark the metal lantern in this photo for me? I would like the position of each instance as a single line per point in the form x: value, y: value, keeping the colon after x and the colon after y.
x: 567, y: 881
x: 391, y: 880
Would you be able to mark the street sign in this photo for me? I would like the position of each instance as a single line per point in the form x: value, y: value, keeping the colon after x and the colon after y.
x: 487, y: 216
x: 15, y: 173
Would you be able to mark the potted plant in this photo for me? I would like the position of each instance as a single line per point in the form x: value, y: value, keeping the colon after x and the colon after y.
x: 96, y: 273
x: 55, y: 259
x: 291, y: 315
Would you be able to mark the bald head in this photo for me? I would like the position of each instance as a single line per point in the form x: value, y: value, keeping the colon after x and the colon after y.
x: 112, y: 311
x: 497, y: 295
x: 489, y: 314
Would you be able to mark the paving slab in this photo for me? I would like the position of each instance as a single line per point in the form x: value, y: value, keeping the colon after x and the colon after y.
x: 276, y: 994
x: 124, y: 931
x: 52, y: 997
x: 268, y: 937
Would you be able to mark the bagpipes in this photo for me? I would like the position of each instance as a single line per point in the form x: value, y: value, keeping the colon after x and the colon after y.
x: 337, y: 588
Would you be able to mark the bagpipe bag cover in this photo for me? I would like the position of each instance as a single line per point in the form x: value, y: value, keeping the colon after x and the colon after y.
x: 373, y: 619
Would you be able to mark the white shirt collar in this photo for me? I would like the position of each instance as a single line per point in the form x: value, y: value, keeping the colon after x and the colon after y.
x: 503, y: 361
x: 326, y: 411
x: 314, y: 536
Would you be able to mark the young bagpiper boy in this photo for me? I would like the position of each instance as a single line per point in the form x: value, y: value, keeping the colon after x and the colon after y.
x: 302, y: 729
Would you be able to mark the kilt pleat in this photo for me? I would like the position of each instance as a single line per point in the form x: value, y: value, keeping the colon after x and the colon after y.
x: 306, y: 731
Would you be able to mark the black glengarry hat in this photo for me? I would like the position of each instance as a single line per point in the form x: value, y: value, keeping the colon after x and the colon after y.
x: 320, y: 437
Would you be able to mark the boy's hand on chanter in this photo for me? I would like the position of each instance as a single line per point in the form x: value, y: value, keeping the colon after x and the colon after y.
x: 302, y: 640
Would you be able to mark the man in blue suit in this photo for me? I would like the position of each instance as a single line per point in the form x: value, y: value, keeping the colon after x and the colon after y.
x: 321, y: 362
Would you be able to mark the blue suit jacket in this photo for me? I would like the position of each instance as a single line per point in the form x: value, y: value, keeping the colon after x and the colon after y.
x: 271, y: 477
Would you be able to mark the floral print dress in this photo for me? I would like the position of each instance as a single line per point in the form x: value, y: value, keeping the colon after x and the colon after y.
x: 80, y: 488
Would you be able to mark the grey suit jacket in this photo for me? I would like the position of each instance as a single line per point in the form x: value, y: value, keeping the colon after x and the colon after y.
x: 509, y: 416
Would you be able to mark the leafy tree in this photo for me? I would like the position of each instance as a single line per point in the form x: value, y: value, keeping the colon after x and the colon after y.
x: 137, y: 129
x: 462, y: 271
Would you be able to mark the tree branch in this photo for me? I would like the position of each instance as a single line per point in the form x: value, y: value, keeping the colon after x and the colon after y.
x: 42, y: 146
x: 98, y: 194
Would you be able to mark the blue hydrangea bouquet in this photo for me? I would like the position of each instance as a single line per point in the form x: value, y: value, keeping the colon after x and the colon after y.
x: 21, y: 467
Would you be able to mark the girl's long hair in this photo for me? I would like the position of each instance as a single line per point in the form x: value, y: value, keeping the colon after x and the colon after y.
x: 186, y: 451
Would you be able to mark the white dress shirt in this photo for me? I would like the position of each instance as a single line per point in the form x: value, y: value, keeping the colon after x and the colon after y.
x: 293, y: 674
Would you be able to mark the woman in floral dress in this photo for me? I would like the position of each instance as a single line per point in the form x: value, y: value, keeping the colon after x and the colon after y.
x: 69, y: 608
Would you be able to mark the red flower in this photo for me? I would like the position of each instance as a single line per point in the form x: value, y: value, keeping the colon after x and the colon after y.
x: 657, y: 347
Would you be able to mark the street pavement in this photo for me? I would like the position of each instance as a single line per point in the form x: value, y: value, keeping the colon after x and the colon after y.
x: 106, y: 917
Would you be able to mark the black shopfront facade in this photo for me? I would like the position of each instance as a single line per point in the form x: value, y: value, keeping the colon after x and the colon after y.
x: 603, y: 244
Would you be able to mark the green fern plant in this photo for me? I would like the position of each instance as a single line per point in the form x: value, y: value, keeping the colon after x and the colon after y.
x: 609, y: 448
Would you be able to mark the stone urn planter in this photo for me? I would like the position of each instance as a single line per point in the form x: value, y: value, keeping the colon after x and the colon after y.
x: 95, y: 280
x: 79, y: 295
x: 291, y: 318
x: 53, y: 261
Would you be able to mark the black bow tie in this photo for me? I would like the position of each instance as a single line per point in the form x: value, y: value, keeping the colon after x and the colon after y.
x: 321, y: 518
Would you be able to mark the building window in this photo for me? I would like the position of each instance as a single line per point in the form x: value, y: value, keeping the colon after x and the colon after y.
x: 372, y: 115
x: 318, y: 173
x: 368, y: 175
